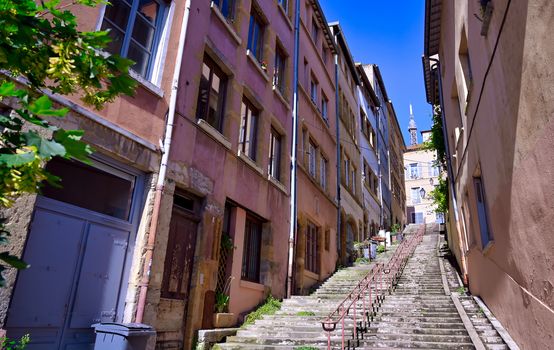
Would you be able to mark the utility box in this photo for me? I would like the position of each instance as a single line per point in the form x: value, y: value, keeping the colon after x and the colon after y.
x: 122, y: 336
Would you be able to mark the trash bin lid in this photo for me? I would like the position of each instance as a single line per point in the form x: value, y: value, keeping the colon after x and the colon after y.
x: 124, y: 329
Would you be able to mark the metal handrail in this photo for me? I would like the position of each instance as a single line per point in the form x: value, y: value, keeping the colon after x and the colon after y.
x: 371, y: 291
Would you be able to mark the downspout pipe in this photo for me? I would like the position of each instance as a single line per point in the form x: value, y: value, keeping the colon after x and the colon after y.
x: 337, y: 126
x: 160, y: 183
x: 294, y: 151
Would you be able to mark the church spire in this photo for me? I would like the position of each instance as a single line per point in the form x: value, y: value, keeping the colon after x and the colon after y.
x: 412, y: 128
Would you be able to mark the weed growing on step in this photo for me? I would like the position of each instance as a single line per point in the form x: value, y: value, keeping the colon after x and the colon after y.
x: 461, y: 290
x: 380, y: 249
x: 269, y: 307
x: 305, y: 313
x: 362, y: 261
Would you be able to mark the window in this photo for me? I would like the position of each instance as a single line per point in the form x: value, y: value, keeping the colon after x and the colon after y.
x: 226, y: 7
x: 323, y: 164
x: 248, y: 126
x: 465, y: 62
x: 279, y: 70
x: 211, y: 97
x: 312, y: 159
x: 256, y: 36
x: 315, y: 30
x: 304, y: 146
x: 346, y: 171
x: 313, y: 89
x: 414, y: 171
x: 327, y: 239
x: 312, y: 248
x: 252, y: 250
x: 482, y: 213
x: 417, y: 218
x: 353, y: 180
x: 324, y: 53
x: 135, y: 28
x: 285, y: 5
x: 324, y: 104
x: 416, y: 199
x: 275, y: 155
x: 102, y: 189
x: 440, y: 218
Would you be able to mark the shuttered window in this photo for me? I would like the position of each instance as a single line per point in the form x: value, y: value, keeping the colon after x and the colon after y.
x: 252, y: 250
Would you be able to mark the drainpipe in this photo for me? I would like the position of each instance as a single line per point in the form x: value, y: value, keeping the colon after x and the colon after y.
x: 381, y: 217
x: 145, y: 279
x: 337, y: 122
x: 449, y: 165
x: 293, y: 168
x: 390, y: 183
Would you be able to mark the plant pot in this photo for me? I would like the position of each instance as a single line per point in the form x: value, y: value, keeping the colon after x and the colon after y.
x: 224, y: 320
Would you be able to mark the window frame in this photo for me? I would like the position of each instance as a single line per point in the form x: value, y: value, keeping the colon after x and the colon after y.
x: 256, y: 18
x: 314, y: 87
x: 312, y: 255
x: 162, y: 17
x: 280, y: 69
x: 252, y: 259
x: 274, y: 168
x: 231, y: 8
x: 312, y: 158
x: 485, y: 232
x: 315, y: 30
x: 248, y: 134
x: 324, y: 105
x: 323, y: 168
x: 223, y: 78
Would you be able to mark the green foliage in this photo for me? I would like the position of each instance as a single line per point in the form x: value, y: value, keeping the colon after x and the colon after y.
x: 461, y: 290
x: 439, y: 195
x: 269, y: 307
x: 305, y: 313
x: 395, y: 228
x: 362, y: 261
x: 380, y: 249
x: 221, y: 302
x: 10, y: 344
x: 436, y: 141
x: 42, y: 49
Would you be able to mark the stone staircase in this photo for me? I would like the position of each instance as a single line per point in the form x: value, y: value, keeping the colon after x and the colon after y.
x: 418, y: 314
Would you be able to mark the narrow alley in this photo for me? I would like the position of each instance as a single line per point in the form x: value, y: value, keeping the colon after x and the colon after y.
x: 421, y: 312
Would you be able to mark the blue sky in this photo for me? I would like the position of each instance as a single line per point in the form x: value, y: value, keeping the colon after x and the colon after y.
x: 389, y: 34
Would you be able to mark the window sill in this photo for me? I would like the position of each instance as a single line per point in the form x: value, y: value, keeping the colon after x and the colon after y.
x: 281, y: 97
x: 151, y: 87
x: 226, y: 24
x: 256, y: 64
x: 252, y: 285
x: 488, y: 248
x: 278, y: 184
x: 318, y: 112
x: 214, y: 133
x: 285, y: 16
x: 250, y: 162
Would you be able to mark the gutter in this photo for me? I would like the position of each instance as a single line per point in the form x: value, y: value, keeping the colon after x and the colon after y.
x: 294, y: 151
x: 160, y: 183
x: 337, y: 127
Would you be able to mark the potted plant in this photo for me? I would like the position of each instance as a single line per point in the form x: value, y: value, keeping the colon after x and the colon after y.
x: 223, y: 318
x: 396, y: 232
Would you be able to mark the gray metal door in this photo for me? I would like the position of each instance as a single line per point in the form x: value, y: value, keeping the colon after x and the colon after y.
x: 78, y: 261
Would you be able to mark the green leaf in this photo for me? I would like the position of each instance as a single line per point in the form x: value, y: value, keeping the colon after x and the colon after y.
x: 15, y: 160
x: 75, y: 148
x: 13, y: 261
x: 46, y: 148
x: 7, y: 89
x: 43, y: 106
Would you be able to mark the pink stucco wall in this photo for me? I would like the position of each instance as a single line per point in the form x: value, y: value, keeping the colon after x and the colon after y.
x: 510, y: 147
